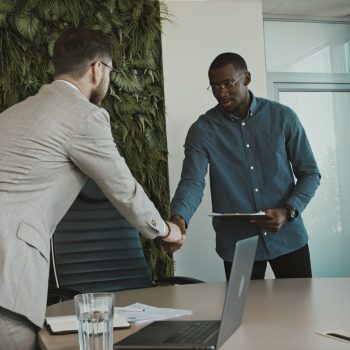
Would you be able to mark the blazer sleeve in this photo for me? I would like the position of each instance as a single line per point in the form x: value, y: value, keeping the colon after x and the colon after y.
x: 93, y: 151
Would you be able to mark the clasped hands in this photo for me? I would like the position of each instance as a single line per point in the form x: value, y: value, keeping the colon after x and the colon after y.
x: 177, y: 235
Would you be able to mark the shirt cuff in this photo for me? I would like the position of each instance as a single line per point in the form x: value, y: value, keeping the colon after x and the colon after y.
x: 165, y: 230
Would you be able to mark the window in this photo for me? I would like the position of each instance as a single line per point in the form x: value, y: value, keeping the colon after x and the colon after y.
x: 310, y: 72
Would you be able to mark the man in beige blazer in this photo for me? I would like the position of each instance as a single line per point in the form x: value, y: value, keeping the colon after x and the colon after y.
x: 49, y: 144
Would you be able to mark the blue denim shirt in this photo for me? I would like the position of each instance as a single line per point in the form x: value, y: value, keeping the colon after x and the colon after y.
x: 252, y: 165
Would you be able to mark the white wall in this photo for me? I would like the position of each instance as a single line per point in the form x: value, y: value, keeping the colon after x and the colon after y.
x: 199, y: 31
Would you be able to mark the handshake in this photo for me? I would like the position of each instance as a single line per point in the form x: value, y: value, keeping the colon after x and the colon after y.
x: 175, y: 238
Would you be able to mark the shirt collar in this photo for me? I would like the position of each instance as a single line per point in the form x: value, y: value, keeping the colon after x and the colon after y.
x: 251, y: 110
x: 253, y: 104
x: 68, y: 83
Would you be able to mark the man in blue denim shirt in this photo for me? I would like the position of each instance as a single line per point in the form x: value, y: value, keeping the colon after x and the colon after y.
x: 254, y: 148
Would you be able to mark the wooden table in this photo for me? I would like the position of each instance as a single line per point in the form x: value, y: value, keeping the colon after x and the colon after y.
x: 280, y: 314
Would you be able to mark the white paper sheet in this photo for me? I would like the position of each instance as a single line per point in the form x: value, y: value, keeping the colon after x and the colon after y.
x: 138, y: 313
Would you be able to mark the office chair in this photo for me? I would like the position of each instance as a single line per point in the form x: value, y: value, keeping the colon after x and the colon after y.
x: 95, y: 249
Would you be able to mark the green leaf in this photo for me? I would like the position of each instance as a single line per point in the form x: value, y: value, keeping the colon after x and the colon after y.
x: 110, y: 5
x: 3, y: 18
x: 27, y: 25
x: 7, y: 5
x: 31, y: 4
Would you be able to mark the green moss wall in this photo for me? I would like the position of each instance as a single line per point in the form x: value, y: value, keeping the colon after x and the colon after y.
x: 28, y: 29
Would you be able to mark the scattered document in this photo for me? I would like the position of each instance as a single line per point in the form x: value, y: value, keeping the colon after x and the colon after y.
x: 138, y: 313
x: 261, y: 215
x: 68, y: 324
x: 338, y: 334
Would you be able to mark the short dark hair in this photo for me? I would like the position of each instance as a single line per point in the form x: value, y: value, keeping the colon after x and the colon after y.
x: 229, y: 58
x: 76, y: 49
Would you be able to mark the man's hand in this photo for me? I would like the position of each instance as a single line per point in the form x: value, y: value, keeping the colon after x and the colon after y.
x: 173, y: 235
x: 172, y: 247
x: 279, y: 218
x: 179, y: 223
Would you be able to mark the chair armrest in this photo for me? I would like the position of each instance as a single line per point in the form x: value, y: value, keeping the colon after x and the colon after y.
x: 58, y: 295
x: 176, y: 280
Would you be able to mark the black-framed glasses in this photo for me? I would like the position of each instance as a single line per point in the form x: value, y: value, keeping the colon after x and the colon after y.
x: 227, y: 84
x: 113, y: 71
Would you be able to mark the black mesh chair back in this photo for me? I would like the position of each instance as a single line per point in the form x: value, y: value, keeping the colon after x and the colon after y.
x: 95, y: 249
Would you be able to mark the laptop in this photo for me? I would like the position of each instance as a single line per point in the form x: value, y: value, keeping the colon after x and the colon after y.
x: 190, y: 334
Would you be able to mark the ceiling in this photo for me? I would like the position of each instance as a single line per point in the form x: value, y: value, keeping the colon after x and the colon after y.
x: 309, y: 8
x: 314, y: 8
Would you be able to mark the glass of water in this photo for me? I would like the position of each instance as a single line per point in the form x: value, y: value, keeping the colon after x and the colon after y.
x: 95, y: 320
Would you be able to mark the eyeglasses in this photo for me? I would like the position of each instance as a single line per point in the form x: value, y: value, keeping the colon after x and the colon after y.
x: 113, y: 71
x: 227, y: 84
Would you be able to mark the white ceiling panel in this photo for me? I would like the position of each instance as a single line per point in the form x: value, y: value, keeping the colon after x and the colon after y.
x: 315, y: 8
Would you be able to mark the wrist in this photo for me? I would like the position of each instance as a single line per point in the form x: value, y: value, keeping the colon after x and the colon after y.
x: 292, y: 213
x: 178, y: 220
x: 176, y: 217
x: 167, y: 233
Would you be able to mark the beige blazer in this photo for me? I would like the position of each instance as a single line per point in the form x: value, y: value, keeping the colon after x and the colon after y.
x: 49, y: 144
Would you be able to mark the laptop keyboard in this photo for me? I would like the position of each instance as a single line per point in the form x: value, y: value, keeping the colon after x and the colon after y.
x: 197, y: 332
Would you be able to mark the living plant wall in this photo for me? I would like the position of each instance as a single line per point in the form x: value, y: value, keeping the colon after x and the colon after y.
x: 28, y: 29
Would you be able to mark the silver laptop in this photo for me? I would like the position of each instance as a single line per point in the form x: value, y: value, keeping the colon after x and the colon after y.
x: 188, y: 334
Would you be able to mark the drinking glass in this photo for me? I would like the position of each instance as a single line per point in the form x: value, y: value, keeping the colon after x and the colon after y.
x: 95, y: 320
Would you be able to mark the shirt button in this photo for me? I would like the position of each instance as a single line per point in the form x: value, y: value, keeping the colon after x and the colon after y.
x: 256, y: 190
x: 248, y: 145
x: 252, y: 167
x: 154, y: 223
x: 243, y: 123
x: 265, y: 233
